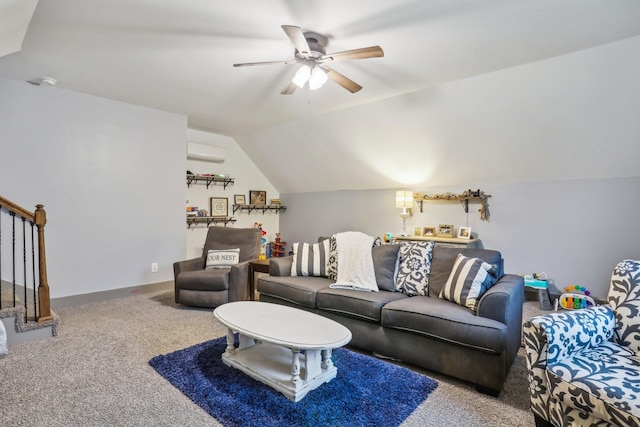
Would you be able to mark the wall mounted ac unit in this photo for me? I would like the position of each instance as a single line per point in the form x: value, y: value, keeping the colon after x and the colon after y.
x: 207, y: 153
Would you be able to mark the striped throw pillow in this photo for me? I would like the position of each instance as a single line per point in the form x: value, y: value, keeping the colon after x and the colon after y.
x: 310, y: 260
x: 470, y: 278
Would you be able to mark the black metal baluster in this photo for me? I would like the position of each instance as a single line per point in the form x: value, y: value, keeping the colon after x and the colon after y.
x: 0, y: 257
x: 13, y: 259
x: 33, y: 273
x: 24, y: 267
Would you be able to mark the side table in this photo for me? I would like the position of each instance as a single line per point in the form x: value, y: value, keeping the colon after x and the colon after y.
x: 256, y: 266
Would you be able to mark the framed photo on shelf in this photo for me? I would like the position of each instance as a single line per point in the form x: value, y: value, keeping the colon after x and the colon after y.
x: 429, y: 231
x: 239, y: 199
x: 445, y: 230
x: 257, y: 197
x: 464, y: 233
x: 219, y: 206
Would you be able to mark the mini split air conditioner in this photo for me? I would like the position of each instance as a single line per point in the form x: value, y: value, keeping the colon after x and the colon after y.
x: 207, y: 153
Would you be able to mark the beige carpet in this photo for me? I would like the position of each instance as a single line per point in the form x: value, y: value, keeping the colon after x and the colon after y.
x: 95, y: 373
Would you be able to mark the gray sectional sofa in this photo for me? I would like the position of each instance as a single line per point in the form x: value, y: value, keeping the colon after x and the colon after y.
x: 425, y: 331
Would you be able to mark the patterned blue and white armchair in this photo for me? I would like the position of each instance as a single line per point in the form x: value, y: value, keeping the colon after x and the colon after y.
x: 584, y: 365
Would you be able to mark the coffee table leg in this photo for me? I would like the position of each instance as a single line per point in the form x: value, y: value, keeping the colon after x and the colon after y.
x: 230, y: 341
x: 295, y: 366
x: 326, y: 359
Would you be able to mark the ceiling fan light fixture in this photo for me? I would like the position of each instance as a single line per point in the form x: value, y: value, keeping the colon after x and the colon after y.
x: 318, y: 78
x: 302, y: 75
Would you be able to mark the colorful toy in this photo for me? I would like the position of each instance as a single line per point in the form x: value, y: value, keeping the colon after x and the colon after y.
x: 575, y: 297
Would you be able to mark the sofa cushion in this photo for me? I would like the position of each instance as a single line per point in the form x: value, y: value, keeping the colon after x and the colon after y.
x: 385, y: 264
x: 414, y: 267
x: 447, y: 321
x: 469, y: 279
x: 296, y: 289
x: 357, y: 304
x: 216, y: 279
x: 445, y: 257
x: 310, y: 259
x: 602, y: 382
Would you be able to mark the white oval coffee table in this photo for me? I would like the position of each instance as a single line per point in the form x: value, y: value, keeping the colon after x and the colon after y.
x: 271, y: 339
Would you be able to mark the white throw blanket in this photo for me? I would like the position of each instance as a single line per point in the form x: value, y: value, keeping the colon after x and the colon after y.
x: 355, y: 262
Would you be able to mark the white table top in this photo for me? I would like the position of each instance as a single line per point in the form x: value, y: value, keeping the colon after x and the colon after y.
x: 282, y: 325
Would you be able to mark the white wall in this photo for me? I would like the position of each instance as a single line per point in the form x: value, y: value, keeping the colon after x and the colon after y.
x: 573, y: 230
x: 568, y: 117
x: 111, y: 178
x: 247, y: 177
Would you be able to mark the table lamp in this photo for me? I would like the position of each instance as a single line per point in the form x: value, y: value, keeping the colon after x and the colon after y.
x: 404, y: 200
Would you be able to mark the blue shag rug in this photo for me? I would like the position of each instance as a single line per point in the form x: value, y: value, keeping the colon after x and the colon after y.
x: 366, y: 391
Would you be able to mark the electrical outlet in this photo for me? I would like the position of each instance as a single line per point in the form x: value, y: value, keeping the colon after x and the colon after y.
x: 154, y: 267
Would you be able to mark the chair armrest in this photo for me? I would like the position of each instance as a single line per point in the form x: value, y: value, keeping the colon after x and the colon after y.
x: 557, y: 336
x: 188, y: 265
x: 239, y: 281
x: 280, y: 266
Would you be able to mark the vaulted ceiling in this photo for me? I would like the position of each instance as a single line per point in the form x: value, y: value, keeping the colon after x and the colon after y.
x: 177, y: 56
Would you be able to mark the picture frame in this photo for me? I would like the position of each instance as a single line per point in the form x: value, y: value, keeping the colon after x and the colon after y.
x: 429, y: 231
x: 445, y: 230
x: 239, y: 199
x: 257, y: 197
x: 219, y: 206
x: 464, y: 233
x: 417, y: 231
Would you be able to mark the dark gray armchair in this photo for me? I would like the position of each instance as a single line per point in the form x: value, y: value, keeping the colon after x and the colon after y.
x: 201, y: 287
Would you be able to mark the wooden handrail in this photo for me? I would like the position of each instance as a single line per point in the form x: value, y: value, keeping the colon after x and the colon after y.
x: 12, y: 207
x: 39, y: 218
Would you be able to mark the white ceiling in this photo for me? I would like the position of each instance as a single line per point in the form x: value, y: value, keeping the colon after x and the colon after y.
x: 403, y: 128
x: 177, y: 55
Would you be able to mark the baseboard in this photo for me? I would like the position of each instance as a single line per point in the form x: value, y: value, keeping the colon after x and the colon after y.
x: 74, y: 300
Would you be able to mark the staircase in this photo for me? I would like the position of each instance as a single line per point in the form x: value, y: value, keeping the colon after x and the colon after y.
x: 25, y: 308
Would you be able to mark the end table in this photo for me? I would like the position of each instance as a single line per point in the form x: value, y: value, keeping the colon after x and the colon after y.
x: 256, y: 266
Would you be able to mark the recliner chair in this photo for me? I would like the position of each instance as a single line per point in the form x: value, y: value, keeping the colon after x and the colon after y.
x: 196, y: 285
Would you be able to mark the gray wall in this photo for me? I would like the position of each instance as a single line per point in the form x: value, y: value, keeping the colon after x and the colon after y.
x: 574, y: 230
x: 111, y: 177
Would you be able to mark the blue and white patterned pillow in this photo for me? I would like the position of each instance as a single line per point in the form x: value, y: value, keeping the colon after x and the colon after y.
x: 470, y: 278
x: 414, y: 267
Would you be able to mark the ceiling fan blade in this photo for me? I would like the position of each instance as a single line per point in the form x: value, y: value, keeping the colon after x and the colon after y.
x: 298, y: 39
x: 362, y: 53
x: 343, y: 81
x: 289, y: 89
x: 251, y: 64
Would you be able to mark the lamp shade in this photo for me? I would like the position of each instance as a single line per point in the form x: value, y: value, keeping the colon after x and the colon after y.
x: 302, y: 75
x: 404, y: 199
x: 317, y: 79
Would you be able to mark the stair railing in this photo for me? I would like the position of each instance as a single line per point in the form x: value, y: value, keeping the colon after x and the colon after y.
x: 41, y: 300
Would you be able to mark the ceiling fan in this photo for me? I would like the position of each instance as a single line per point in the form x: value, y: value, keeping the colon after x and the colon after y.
x: 310, y: 53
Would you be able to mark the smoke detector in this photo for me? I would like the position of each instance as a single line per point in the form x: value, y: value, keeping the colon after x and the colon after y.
x: 49, y: 81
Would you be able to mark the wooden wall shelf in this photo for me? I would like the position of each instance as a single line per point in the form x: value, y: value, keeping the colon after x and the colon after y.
x: 263, y: 208
x: 208, y: 220
x: 464, y: 200
x: 209, y: 179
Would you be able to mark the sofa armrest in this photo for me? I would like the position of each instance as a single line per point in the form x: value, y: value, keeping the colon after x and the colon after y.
x: 503, y: 301
x: 280, y: 266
